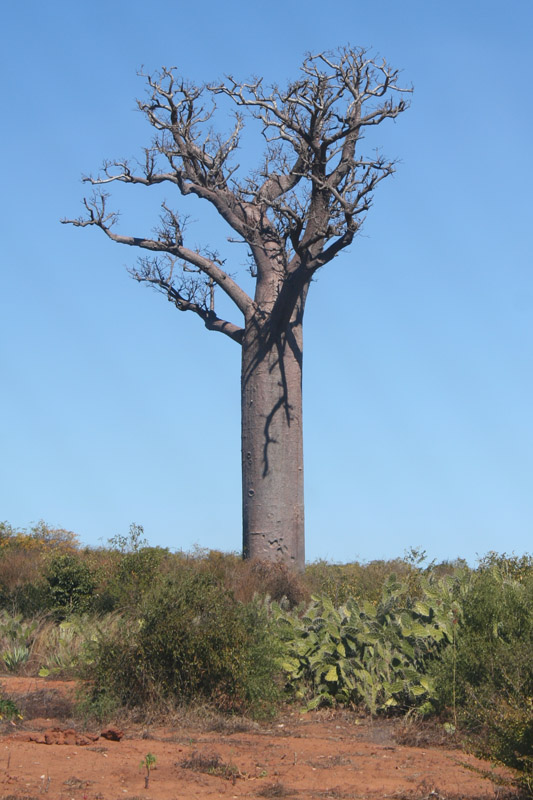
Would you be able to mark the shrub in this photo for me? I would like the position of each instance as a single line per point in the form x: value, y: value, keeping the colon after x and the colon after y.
x: 136, y: 574
x: 71, y: 584
x: 340, y: 582
x: 128, y: 570
x: 28, y: 599
x: 22, y: 588
x: 24, y: 555
x: 487, y: 677
x: 40, y: 537
x: 269, y: 579
x: 191, y: 641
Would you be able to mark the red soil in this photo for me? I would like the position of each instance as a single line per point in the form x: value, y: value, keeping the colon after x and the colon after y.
x: 319, y: 755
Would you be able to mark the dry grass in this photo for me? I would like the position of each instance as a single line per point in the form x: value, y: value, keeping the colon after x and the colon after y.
x: 277, y: 789
x: 329, y: 762
x: 421, y: 793
x: 19, y: 567
x: 229, y: 725
x: 45, y: 703
x: 20, y: 797
x: 211, y: 764
x: 203, y: 718
x: 412, y: 732
x: 435, y: 794
x: 198, y: 718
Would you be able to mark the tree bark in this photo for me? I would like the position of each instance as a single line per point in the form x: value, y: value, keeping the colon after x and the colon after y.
x: 272, y: 443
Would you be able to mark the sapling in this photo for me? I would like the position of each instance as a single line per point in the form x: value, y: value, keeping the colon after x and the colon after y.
x: 148, y: 762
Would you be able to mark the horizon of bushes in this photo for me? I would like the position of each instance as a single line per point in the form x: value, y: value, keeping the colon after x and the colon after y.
x: 146, y: 627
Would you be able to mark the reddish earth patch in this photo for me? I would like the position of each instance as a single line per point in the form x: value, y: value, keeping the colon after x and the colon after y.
x: 307, y: 756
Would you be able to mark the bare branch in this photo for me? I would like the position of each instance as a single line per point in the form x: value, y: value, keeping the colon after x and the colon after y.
x: 169, y: 241
x: 186, y: 292
x: 320, y: 118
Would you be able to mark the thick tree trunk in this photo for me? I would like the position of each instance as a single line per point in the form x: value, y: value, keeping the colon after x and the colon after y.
x: 272, y: 444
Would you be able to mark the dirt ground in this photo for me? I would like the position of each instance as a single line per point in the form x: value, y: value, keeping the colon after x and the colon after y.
x: 317, y: 755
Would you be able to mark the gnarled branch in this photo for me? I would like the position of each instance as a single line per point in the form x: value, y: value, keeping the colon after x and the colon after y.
x: 169, y: 241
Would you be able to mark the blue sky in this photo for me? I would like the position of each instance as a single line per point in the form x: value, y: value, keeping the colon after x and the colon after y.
x: 418, y: 365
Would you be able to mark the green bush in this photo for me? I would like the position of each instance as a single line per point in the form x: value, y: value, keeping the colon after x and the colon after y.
x: 486, y: 678
x: 136, y: 574
x: 128, y: 570
x: 8, y: 709
x: 190, y: 641
x: 71, y: 585
x: 28, y: 599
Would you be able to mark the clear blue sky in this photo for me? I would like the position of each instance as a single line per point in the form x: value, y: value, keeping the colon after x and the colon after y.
x: 418, y: 373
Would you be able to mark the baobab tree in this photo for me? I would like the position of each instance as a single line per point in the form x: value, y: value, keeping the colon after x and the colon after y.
x: 294, y: 214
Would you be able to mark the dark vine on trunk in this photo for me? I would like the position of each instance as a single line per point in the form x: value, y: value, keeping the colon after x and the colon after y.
x: 295, y: 214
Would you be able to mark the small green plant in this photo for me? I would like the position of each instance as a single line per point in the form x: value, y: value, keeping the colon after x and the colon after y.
x: 15, y: 630
x: 148, y: 763
x: 8, y: 709
x: 16, y: 639
x: 15, y: 657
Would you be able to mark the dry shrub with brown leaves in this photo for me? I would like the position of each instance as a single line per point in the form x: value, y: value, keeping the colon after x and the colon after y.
x: 269, y: 579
